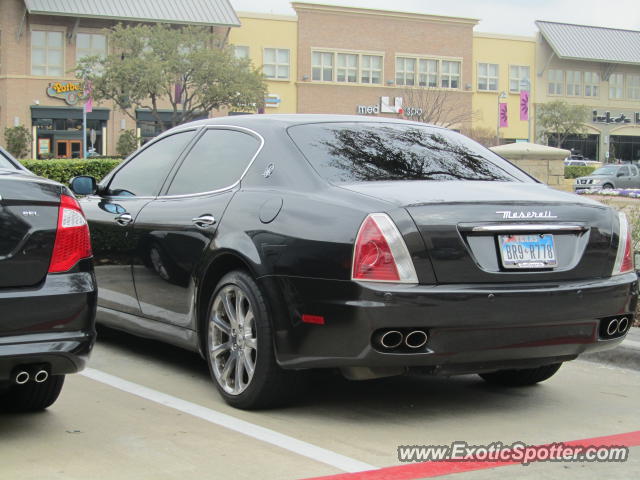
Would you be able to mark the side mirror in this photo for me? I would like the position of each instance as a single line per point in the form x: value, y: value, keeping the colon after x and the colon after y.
x: 83, y: 185
x: 620, y: 174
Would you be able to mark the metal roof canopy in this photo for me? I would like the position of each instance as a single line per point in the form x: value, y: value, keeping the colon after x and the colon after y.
x: 191, y: 12
x: 596, y: 44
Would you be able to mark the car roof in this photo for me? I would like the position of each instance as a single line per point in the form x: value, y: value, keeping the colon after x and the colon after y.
x: 259, y: 121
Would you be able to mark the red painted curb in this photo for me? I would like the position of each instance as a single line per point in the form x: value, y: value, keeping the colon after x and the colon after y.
x: 435, y: 469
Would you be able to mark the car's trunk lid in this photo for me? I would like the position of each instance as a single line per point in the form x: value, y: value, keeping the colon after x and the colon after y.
x: 462, y: 223
x: 28, y: 221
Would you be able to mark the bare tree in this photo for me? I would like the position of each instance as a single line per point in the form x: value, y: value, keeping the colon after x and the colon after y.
x: 437, y: 106
x: 483, y: 135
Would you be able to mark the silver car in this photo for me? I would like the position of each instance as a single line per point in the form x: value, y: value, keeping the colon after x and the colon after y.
x: 610, y: 176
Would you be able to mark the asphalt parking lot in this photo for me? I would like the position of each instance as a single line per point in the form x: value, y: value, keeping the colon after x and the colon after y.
x: 145, y: 410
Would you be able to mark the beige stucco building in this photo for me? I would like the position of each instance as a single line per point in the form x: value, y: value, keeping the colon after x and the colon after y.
x: 600, y: 68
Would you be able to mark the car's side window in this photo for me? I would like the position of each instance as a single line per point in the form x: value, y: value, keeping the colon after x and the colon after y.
x: 634, y: 171
x: 144, y: 174
x: 216, y: 161
x: 624, y: 171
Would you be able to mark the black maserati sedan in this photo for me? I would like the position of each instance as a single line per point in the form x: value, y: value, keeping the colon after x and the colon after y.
x: 47, y: 288
x: 277, y: 244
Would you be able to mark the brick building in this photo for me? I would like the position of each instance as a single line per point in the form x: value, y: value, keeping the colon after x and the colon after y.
x: 356, y: 60
x: 41, y: 41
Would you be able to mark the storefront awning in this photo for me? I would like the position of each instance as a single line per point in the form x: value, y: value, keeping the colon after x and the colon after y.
x: 194, y: 12
x: 71, y: 113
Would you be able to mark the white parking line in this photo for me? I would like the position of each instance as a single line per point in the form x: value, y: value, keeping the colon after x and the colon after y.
x: 294, y: 445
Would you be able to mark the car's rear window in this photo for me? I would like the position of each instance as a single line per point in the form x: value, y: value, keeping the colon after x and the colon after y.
x: 5, y: 163
x: 353, y: 152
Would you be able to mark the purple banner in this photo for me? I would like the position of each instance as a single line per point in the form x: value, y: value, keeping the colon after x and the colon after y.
x: 88, y: 92
x: 504, y: 119
x: 524, y: 105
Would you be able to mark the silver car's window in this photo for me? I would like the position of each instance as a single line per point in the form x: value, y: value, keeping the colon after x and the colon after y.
x: 624, y: 171
x: 634, y: 170
x: 610, y: 170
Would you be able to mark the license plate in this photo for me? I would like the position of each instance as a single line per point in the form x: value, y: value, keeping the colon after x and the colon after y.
x: 527, y: 251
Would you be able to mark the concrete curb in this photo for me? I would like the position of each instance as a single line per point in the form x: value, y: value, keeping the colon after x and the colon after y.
x: 626, y: 355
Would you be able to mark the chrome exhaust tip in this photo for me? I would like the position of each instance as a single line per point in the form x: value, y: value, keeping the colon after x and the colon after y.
x: 416, y: 339
x: 41, y: 376
x: 22, y: 377
x: 391, y: 339
x: 623, y: 324
x: 612, y: 328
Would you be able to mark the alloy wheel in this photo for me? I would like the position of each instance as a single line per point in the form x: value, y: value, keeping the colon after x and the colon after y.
x: 233, y: 342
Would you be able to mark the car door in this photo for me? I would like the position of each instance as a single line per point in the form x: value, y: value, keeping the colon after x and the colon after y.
x: 174, y: 230
x: 623, y: 177
x: 110, y: 216
x: 634, y: 179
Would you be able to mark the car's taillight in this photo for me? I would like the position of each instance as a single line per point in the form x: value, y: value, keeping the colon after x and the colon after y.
x: 624, y: 257
x: 380, y: 254
x: 72, y: 237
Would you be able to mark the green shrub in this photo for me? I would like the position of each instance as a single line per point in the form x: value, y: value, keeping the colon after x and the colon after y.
x: 18, y: 140
x: 127, y: 143
x: 574, y: 171
x: 64, y: 170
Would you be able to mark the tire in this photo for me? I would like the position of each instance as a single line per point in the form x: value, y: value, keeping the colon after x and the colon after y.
x: 32, y: 396
x: 521, y: 378
x: 607, y: 186
x: 268, y: 385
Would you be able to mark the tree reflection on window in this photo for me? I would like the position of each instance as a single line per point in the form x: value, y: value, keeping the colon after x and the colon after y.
x: 345, y: 153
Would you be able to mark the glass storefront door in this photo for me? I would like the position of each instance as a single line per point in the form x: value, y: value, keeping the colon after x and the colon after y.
x: 68, y: 149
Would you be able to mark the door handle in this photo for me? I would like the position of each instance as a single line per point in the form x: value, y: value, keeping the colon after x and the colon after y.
x: 204, y: 221
x: 124, y: 219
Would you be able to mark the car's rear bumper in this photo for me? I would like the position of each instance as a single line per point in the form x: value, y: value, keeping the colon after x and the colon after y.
x: 471, y: 328
x: 52, y: 324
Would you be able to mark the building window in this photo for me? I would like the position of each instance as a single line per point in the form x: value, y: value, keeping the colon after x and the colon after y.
x: 633, y: 87
x: 591, y: 84
x: 488, y: 77
x: 275, y: 64
x: 616, y: 86
x: 450, y: 76
x: 431, y: 72
x: 405, y: 71
x: 574, y: 83
x: 371, y: 69
x: 322, y: 66
x: 347, y: 68
x: 555, y: 79
x: 240, y: 51
x: 90, y: 45
x: 428, y: 73
x: 519, y: 78
x: 47, y: 53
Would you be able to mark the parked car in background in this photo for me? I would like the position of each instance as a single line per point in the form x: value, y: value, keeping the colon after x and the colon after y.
x: 578, y: 160
x: 273, y: 244
x: 610, y: 176
x: 581, y: 163
x: 47, y: 288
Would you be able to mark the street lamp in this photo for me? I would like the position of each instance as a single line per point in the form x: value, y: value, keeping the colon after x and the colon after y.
x: 502, y: 96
